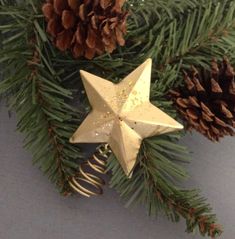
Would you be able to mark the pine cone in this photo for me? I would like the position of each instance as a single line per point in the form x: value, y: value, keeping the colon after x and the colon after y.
x: 87, y: 27
x: 207, y: 101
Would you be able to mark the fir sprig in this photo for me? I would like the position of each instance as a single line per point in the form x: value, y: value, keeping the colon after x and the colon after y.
x: 193, y: 34
x: 155, y: 184
x: 37, y: 95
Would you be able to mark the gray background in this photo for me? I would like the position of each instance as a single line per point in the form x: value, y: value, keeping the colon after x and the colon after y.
x: 30, y: 207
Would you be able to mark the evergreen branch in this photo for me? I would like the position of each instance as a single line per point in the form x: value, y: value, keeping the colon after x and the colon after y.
x: 154, y: 184
x: 195, y: 35
x: 161, y: 8
x: 200, y: 36
x: 38, y: 97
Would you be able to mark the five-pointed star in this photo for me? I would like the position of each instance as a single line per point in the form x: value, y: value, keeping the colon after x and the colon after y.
x: 122, y: 115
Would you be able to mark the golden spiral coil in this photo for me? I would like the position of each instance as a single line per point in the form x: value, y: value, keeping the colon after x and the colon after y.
x: 88, y: 181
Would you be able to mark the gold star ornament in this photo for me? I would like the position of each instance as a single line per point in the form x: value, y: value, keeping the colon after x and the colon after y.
x: 122, y: 115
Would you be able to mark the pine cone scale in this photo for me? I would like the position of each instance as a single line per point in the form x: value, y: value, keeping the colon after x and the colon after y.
x: 68, y: 19
x: 59, y: 6
x: 53, y: 28
x: 73, y: 4
x: 48, y: 10
x: 193, y: 100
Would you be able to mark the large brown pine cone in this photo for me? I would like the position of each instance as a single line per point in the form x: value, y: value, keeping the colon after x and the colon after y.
x: 207, y: 101
x: 87, y: 27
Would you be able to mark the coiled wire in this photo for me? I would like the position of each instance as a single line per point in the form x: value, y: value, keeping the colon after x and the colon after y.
x: 88, y: 182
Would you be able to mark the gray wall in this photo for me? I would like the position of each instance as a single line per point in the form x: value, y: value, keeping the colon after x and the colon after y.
x: 30, y: 208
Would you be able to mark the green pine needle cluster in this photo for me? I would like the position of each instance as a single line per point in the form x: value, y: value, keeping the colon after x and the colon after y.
x: 36, y: 93
x: 155, y: 184
x: 43, y: 86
